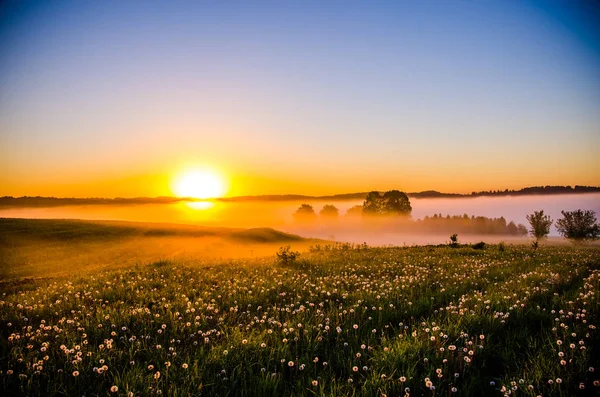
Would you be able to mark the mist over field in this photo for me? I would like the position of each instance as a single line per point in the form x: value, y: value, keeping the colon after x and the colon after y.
x: 278, y: 214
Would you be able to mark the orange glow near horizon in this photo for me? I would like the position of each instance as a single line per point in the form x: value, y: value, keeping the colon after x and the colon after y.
x: 199, y: 183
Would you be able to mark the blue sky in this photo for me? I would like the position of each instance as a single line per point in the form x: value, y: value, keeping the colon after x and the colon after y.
x: 336, y: 96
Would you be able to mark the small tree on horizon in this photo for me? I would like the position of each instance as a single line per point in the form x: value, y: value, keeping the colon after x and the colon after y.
x: 305, y: 214
x: 372, y: 204
x: 396, y: 202
x: 355, y: 211
x: 329, y: 212
x: 540, y: 224
x: 392, y: 202
x: 578, y: 225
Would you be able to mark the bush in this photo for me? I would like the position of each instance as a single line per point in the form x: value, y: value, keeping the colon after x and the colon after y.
x: 454, y: 240
x: 285, y: 255
x: 578, y: 225
x: 479, y: 246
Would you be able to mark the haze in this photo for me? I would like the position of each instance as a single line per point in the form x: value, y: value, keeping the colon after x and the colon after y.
x: 279, y: 215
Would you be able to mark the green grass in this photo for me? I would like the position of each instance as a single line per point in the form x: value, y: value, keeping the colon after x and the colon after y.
x: 357, y: 320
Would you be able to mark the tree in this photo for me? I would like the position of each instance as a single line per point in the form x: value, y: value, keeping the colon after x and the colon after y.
x: 354, y: 211
x: 521, y: 230
x: 540, y: 224
x: 393, y: 202
x: 305, y: 214
x: 329, y: 212
x: 512, y: 229
x: 396, y: 202
x: 578, y: 225
x: 372, y: 204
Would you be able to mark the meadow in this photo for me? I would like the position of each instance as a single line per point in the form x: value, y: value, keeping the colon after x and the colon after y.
x: 342, y: 319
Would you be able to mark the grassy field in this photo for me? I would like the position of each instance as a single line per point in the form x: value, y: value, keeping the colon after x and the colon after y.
x: 340, y: 320
x: 33, y: 248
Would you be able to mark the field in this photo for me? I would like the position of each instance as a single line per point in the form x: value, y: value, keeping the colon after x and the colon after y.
x: 340, y: 320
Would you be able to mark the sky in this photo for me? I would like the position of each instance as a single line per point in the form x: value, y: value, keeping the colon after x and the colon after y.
x: 111, y: 98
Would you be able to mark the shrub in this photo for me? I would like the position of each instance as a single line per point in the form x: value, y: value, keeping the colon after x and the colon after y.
x: 454, y: 240
x: 479, y: 246
x: 285, y: 255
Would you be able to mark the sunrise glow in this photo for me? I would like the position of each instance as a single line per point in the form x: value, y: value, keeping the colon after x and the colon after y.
x: 201, y: 184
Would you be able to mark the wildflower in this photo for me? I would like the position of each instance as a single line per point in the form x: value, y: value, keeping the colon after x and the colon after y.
x: 114, y: 389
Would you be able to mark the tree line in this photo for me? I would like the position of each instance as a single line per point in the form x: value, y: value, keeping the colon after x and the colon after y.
x: 574, y: 225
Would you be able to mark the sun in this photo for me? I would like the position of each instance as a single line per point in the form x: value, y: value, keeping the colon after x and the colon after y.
x: 202, y: 184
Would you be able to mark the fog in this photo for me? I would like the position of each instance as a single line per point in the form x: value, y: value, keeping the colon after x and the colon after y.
x: 278, y: 215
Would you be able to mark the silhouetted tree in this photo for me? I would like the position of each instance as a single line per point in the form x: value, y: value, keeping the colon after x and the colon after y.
x: 512, y: 229
x: 522, y: 230
x: 329, y: 212
x: 372, y: 204
x: 354, y: 211
x: 578, y: 225
x: 305, y: 214
x: 396, y: 203
x: 540, y: 224
x: 393, y: 202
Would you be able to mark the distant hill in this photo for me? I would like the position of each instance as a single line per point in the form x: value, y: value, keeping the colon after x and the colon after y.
x: 83, y: 230
x: 37, y: 201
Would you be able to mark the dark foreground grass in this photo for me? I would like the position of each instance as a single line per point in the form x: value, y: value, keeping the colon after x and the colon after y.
x: 363, y: 322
